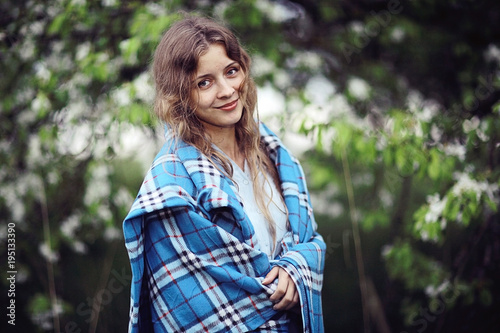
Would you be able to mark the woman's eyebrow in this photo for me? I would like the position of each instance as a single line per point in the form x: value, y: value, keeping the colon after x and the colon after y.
x: 232, y: 64
x: 202, y: 76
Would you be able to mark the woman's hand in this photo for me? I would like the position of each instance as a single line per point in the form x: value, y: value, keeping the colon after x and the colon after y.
x: 286, y: 296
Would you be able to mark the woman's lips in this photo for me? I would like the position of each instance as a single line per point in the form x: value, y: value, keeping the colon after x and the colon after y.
x: 229, y: 106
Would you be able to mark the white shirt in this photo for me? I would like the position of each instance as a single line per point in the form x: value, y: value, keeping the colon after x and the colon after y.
x: 277, y: 210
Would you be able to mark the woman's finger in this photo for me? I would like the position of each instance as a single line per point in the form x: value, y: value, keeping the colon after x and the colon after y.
x: 294, y: 302
x: 288, y: 298
x: 281, y: 288
x: 271, y: 276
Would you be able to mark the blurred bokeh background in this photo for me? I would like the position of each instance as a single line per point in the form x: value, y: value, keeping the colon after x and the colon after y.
x: 392, y: 107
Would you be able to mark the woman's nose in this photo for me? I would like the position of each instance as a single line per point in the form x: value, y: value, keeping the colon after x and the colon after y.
x: 226, y: 90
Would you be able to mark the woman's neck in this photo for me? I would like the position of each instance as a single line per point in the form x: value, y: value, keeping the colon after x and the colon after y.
x: 226, y: 140
x: 229, y: 145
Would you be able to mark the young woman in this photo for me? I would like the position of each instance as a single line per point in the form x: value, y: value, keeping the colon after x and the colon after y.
x: 221, y: 237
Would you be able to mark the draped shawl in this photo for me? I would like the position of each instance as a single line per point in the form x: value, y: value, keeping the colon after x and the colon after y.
x: 196, y: 263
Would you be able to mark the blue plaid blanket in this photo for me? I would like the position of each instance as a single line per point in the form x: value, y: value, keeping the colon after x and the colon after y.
x: 195, y: 261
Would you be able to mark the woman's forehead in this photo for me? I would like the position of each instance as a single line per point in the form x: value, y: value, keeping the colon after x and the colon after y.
x: 213, y: 59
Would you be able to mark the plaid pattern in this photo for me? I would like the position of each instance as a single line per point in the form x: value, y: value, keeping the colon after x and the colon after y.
x: 195, y: 261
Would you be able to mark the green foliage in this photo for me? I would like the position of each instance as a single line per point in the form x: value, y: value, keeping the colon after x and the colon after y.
x: 415, y: 269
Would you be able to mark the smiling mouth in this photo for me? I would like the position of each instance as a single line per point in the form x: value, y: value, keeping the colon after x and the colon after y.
x: 229, y: 106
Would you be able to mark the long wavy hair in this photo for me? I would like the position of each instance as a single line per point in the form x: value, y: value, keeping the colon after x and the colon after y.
x: 174, y: 68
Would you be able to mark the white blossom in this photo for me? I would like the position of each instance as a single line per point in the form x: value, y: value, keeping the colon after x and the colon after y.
x: 78, y: 2
x: 397, y: 34
x: 47, y: 253
x: 123, y: 198
x: 455, y: 149
x: 386, y: 250
x: 79, y: 247
x: 14, y: 203
x: 40, y: 103
x: 436, y: 133
x: 386, y: 198
x: 324, y: 204
x: 358, y: 88
x: 26, y: 49
x: 357, y: 26
x: 275, y: 11
x: 144, y: 89
x: 341, y: 108
x: 42, y: 72
x: 14, y: 194
x: 220, y: 9
x: 75, y: 111
x: 99, y: 186
x: 362, y: 179
x: 295, y: 106
x: 75, y: 139
x: 104, y: 213
x: 436, y: 207
x: 388, y: 126
x: 418, y: 131
x: 493, y: 53
x: 53, y: 177
x: 35, y: 155
x: 156, y: 9
x: 112, y: 233
x: 470, y: 125
x: 307, y: 59
x: 43, y: 319
x: 261, y: 65
x: 297, y: 143
x: 121, y: 96
x: 82, y: 51
x: 443, y: 223
x: 271, y: 102
x: 481, y: 132
x: 430, y: 109
x: 381, y: 143
x: 59, y: 61
x: 26, y: 118
x: 414, y: 101
x: 328, y: 135
x: 102, y: 58
x: 25, y: 94
x: 466, y: 184
x: 108, y: 3
x: 70, y: 225
x: 282, y: 79
x: 78, y: 104
x: 433, y: 291
x: 316, y: 114
x: 36, y: 28
x: 133, y: 141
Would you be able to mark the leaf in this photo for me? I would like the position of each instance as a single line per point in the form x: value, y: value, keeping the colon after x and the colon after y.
x: 491, y: 204
x: 57, y: 24
x: 434, y: 168
x: 452, y: 208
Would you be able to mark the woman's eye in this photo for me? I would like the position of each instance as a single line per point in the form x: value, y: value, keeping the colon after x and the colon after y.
x: 232, y: 71
x: 203, y: 84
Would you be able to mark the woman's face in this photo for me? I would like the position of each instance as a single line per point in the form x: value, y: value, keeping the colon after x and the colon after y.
x: 217, y: 89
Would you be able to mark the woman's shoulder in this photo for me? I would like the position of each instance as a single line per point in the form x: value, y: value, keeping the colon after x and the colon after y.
x: 272, y: 143
x: 172, y: 157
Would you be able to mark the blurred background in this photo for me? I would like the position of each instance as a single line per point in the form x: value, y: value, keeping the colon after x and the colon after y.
x: 392, y: 107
